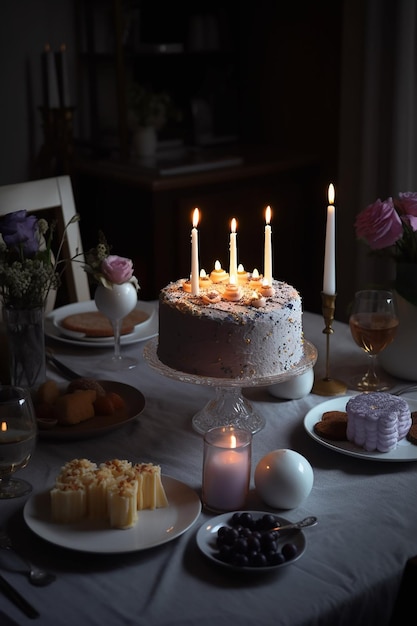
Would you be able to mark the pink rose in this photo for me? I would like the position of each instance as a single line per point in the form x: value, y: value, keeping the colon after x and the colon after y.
x: 407, y: 208
x: 117, y: 269
x: 379, y: 224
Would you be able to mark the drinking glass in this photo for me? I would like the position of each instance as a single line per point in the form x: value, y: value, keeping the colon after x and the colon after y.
x: 18, y: 430
x: 373, y: 323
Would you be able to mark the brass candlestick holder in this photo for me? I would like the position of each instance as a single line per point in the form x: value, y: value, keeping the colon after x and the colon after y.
x: 328, y: 386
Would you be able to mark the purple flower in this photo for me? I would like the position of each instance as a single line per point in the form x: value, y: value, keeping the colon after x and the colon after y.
x: 379, y: 224
x: 117, y: 269
x: 19, y: 232
x: 406, y: 206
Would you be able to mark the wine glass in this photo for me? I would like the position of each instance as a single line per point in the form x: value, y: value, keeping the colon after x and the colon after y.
x: 373, y: 323
x: 115, y: 303
x: 18, y: 431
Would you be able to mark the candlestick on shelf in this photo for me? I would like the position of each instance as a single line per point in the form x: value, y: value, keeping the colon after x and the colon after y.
x: 268, y: 248
x: 329, y: 274
x: 233, y: 254
x: 328, y: 386
x: 49, y: 79
x: 62, y: 73
x: 195, y: 274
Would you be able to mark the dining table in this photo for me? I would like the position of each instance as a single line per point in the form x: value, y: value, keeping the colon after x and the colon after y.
x: 349, y: 572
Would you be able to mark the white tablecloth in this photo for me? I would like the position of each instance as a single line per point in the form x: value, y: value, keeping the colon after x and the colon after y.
x: 349, y: 573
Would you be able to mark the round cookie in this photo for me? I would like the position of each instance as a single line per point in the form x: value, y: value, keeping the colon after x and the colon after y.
x: 332, y: 426
x: 95, y: 324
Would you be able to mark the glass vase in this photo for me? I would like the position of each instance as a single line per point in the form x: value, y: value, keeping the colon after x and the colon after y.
x: 26, y: 346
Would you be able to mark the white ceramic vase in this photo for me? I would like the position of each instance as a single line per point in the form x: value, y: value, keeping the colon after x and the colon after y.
x: 400, y: 358
x: 145, y: 141
x: 117, y: 302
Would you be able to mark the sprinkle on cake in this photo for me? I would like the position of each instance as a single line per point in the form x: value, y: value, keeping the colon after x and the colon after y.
x: 377, y: 421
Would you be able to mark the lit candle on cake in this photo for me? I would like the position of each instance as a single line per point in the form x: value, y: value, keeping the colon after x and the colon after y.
x: 258, y: 300
x: 233, y: 254
x: 195, y: 274
x: 226, y: 468
x: 329, y: 276
x: 205, y: 281
x: 242, y: 275
x: 218, y: 275
x: 268, y: 248
x: 266, y: 289
x: 255, y: 279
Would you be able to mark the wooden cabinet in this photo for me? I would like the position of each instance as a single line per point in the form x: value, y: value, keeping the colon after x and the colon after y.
x: 148, y: 217
x: 188, y: 50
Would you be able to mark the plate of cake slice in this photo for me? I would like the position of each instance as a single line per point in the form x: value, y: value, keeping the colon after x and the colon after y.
x: 405, y: 450
x: 153, y: 527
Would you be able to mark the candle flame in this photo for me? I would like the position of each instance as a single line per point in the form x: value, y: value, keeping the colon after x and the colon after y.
x: 331, y: 193
x: 255, y: 273
x: 196, y: 216
x: 232, y: 441
x: 268, y: 214
x: 240, y: 268
x: 233, y: 226
x: 203, y: 274
x: 3, y: 427
x: 217, y: 266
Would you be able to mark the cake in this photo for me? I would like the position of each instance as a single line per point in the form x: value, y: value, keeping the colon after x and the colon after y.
x: 377, y: 421
x: 213, y: 334
x: 114, y: 491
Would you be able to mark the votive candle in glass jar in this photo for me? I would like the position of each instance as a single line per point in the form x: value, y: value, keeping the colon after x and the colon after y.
x: 226, y: 468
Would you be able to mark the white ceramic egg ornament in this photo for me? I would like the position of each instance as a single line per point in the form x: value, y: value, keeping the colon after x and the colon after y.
x: 283, y: 479
x: 294, y: 388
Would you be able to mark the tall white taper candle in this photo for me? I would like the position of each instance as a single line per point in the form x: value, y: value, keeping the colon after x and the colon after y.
x: 195, y: 272
x: 329, y: 275
x: 268, y: 249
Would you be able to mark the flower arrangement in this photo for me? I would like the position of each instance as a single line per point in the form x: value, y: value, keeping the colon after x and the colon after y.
x: 389, y: 227
x: 151, y: 108
x: 28, y: 267
x: 108, y: 269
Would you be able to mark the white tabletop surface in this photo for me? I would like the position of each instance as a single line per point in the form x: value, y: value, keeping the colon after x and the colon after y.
x: 349, y: 573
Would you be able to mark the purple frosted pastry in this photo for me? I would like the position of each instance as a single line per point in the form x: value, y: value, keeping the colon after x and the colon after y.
x: 377, y: 421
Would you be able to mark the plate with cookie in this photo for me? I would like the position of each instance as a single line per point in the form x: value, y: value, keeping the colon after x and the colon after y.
x: 84, y: 408
x: 82, y: 324
x: 326, y: 423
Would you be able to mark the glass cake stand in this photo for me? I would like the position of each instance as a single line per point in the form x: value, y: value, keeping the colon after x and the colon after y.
x: 229, y: 407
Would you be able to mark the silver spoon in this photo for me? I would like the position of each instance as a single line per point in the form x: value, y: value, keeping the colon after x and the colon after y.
x: 307, y: 521
x: 37, y: 577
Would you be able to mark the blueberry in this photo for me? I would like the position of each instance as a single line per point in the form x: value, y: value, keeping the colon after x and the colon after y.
x: 289, y: 551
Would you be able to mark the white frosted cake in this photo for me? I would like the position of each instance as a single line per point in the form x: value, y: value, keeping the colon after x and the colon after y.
x: 211, y: 335
x: 377, y: 421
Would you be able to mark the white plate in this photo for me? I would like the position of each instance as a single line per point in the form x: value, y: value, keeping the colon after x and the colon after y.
x: 153, y: 528
x: 405, y: 451
x: 207, y: 535
x: 142, y: 332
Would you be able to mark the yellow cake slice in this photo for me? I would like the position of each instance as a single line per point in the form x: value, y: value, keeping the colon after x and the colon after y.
x: 68, y: 502
x: 153, y: 494
x: 122, y: 503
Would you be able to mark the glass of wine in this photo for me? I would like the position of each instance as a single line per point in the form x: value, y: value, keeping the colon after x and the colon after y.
x: 18, y: 431
x: 373, y: 323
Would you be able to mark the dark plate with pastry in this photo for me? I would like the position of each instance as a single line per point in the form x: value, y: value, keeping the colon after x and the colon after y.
x: 95, y: 408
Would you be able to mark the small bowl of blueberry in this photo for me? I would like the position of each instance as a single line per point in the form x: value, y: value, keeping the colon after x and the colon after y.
x: 250, y: 541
